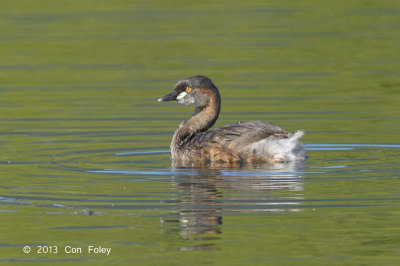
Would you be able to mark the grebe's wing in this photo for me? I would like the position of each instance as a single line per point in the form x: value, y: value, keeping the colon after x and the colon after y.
x: 241, y: 134
x: 252, y: 142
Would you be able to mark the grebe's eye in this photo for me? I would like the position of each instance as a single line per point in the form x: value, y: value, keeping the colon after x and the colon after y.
x: 188, y: 89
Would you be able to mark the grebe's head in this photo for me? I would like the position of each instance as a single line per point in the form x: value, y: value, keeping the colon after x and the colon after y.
x: 196, y: 91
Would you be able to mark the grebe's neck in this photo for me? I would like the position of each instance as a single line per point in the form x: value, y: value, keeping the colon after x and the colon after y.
x: 203, y: 118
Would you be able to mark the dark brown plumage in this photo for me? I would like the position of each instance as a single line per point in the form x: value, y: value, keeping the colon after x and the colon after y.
x: 253, y: 142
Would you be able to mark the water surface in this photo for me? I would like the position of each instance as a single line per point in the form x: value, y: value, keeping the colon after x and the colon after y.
x: 85, y: 146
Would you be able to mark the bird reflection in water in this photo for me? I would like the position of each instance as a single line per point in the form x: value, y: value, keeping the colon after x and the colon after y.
x: 205, y: 195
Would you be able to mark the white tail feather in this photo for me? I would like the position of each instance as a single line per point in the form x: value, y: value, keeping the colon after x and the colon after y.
x: 277, y: 149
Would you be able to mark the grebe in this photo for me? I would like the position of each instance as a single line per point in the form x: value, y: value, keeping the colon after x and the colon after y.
x: 195, y: 143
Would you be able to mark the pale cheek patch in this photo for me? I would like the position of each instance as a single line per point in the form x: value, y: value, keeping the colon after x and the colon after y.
x: 181, y: 95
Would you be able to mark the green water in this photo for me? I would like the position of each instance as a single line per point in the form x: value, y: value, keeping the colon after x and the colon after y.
x: 84, y: 144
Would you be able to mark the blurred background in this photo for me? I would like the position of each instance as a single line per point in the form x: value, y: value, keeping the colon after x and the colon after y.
x: 79, y: 83
x: 326, y: 66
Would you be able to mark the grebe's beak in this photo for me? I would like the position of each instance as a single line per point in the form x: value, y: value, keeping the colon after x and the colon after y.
x: 169, y: 97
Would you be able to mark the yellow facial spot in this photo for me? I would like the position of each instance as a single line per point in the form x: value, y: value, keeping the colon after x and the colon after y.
x: 188, y: 89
